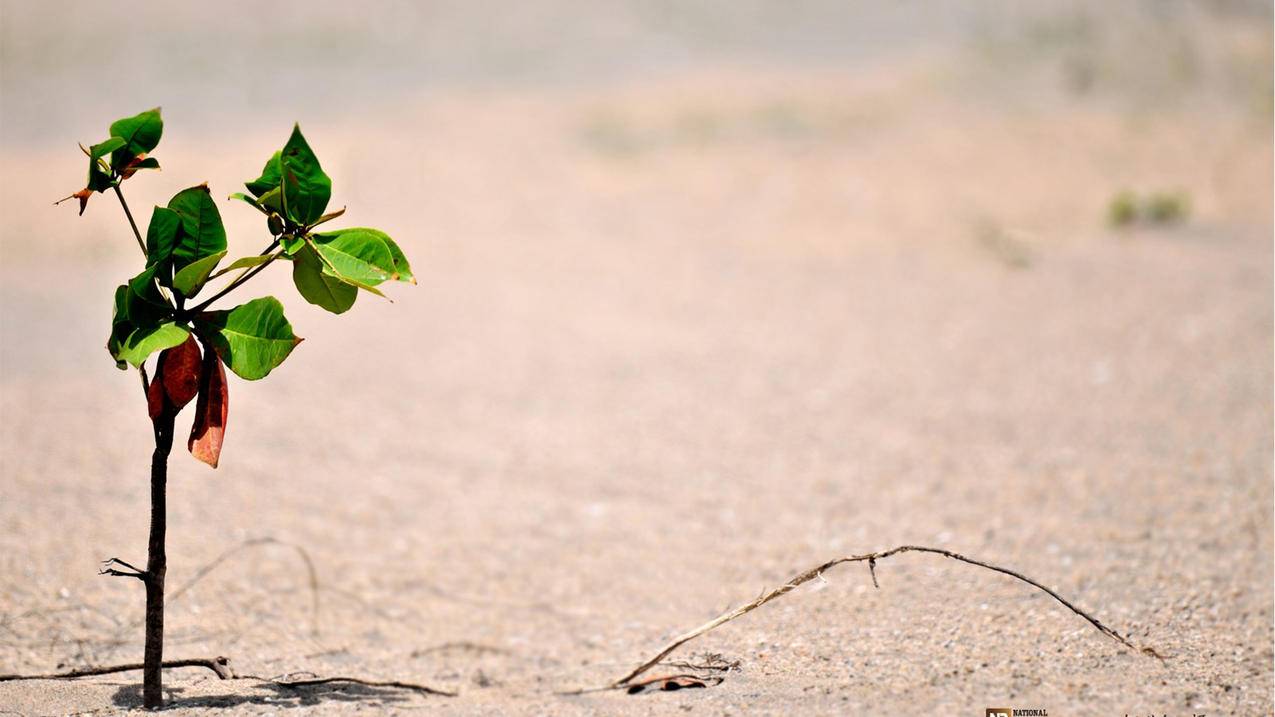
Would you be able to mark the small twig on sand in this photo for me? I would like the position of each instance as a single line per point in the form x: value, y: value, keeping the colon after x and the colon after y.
x: 219, y: 665
x: 871, y: 559
x: 296, y: 684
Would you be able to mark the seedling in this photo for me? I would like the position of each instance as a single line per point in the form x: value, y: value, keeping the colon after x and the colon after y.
x: 157, y: 311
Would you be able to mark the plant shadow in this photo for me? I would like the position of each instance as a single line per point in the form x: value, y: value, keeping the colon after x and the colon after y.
x: 265, y: 692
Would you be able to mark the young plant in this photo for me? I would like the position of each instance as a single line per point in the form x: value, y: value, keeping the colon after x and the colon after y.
x: 157, y: 311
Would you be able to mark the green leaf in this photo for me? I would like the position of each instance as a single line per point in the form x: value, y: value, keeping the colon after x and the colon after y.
x: 357, y: 255
x: 192, y: 277
x: 318, y: 286
x: 141, y: 134
x: 141, y: 322
x: 401, y: 271
x: 120, y: 326
x: 142, y: 342
x: 144, y: 305
x: 271, y: 177
x: 306, y: 189
x: 291, y: 245
x: 100, y: 181
x: 202, y: 232
x: 251, y: 339
x: 272, y: 199
x: 246, y: 262
x: 161, y: 235
x: 148, y: 163
x: 249, y: 200
x: 102, y: 149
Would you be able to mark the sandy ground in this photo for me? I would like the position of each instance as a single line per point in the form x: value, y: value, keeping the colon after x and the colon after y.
x: 676, y: 338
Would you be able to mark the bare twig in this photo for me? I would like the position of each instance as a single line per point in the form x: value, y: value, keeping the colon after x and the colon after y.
x: 312, y: 682
x: 871, y: 559
x: 219, y: 665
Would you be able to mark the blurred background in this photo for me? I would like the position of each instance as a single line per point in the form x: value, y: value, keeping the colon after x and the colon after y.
x: 710, y: 292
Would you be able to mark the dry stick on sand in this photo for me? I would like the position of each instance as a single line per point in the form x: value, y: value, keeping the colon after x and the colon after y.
x: 871, y: 559
x: 221, y: 666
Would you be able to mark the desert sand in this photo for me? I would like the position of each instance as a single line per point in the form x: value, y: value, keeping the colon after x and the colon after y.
x: 681, y: 331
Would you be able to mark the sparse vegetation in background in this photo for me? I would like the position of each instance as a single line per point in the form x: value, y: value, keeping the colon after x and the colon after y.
x: 1007, y: 248
x: 156, y: 311
x: 1122, y: 210
x: 1159, y: 208
x: 1168, y: 207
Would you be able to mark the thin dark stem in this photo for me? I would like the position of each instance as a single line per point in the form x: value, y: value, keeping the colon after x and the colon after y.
x: 157, y: 562
x: 141, y: 244
x: 235, y: 284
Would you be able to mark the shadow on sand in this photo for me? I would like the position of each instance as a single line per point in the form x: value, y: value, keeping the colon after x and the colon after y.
x: 265, y: 692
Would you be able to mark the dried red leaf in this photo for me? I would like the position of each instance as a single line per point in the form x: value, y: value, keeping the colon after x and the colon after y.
x: 131, y: 168
x: 82, y: 195
x: 671, y: 683
x: 180, y: 368
x: 209, y: 430
x: 155, y: 396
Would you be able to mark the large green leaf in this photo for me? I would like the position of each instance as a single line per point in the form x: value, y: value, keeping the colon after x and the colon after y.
x: 161, y: 235
x: 137, y: 329
x: 306, y: 189
x: 140, y: 133
x: 400, y: 269
x: 192, y: 277
x: 140, y: 323
x: 357, y: 255
x: 271, y: 177
x: 144, y: 304
x: 141, y: 342
x: 318, y: 286
x: 202, y: 231
x: 252, y: 339
x: 102, y: 149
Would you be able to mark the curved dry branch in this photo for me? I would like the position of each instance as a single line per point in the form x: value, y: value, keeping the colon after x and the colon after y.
x: 871, y: 559
x: 219, y: 665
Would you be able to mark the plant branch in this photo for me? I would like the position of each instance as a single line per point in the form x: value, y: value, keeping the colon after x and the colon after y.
x: 871, y: 559
x: 141, y: 244
x: 235, y: 283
